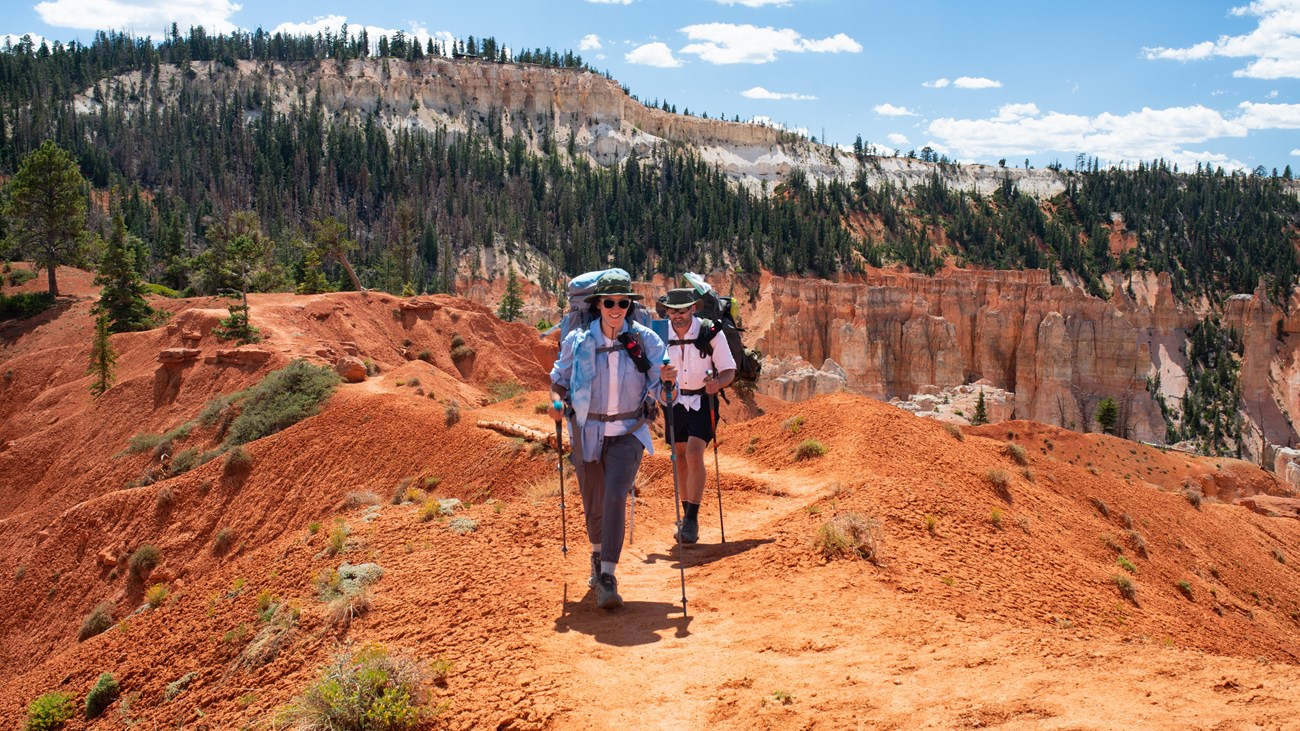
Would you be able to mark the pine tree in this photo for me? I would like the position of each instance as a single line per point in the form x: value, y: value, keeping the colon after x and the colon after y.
x: 1107, y: 415
x: 313, y: 279
x: 47, y: 208
x: 512, y: 305
x: 243, y: 254
x: 981, y: 414
x: 103, y: 360
x: 121, y: 296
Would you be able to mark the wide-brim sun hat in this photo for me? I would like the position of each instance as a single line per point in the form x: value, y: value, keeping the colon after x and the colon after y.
x: 679, y: 299
x: 613, y: 285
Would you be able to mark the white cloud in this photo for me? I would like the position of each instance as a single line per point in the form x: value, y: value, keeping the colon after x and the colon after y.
x: 334, y: 23
x: 610, y: 2
x: 589, y: 42
x: 145, y: 17
x: 726, y: 43
x: 896, y: 138
x: 1021, y: 129
x: 1296, y: 152
x: 1012, y: 112
x: 976, y: 82
x: 1269, y: 116
x: 653, y: 54
x: 889, y: 110
x: 938, y: 83
x: 1274, y: 44
x: 759, y: 92
x: 769, y: 122
x: 1198, y: 52
x: 754, y: 3
x: 13, y: 40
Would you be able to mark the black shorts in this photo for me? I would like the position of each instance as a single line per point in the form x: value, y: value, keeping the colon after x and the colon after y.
x: 698, y: 423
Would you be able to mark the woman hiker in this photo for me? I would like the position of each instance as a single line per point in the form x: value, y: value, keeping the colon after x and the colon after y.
x: 608, y: 373
x: 700, y: 378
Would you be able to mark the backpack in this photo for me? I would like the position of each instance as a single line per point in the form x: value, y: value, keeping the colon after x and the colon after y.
x: 581, y: 313
x: 718, y: 314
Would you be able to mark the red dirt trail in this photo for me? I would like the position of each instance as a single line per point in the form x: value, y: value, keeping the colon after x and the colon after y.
x: 984, y: 610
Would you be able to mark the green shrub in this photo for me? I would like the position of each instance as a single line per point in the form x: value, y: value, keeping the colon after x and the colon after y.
x: 425, y: 356
x: 99, y: 620
x: 502, y: 390
x: 222, y: 541
x: 237, y: 460
x: 281, y: 400
x: 144, y: 559
x: 1001, y: 482
x: 156, y: 595
x: 1126, y: 588
x: 49, y: 712
x: 1126, y: 564
x: 1185, y: 588
x: 808, y: 449
x: 24, y: 304
x: 793, y: 424
x: 143, y: 443
x: 160, y: 290
x: 451, y: 414
x: 464, y: 352
x: 338, y: 538
x: 850, y: 535
x: 184, y: 461
x: 19, y: 277
x: 368, y: 690
x: 955, y: 432
x: 101, y: 695
x: 1017, y: 453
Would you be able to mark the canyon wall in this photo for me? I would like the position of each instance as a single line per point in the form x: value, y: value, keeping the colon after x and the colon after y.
x: 1059, y: 350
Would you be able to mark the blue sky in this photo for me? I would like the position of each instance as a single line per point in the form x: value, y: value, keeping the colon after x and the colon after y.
x: 1186, y: 80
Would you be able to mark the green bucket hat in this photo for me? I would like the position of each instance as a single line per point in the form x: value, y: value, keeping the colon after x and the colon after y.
x: 679, y: 299
x: 613, y: 285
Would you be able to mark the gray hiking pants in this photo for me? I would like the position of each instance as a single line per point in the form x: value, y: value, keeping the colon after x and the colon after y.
x: 604, y: 486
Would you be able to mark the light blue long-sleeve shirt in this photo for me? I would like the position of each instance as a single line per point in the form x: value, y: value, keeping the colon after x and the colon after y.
x: 580, y: 367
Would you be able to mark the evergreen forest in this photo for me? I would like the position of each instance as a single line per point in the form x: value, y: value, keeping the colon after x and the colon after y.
x: 192, y: 167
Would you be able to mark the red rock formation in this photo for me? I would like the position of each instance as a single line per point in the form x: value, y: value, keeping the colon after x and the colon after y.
x: 1060, y: 350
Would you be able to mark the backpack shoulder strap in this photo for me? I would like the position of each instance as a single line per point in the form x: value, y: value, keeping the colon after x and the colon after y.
x: 704, y: 341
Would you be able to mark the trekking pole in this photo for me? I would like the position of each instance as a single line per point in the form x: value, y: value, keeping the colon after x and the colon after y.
x: 677, y: 505
x: 559, y: 450
x: 717, y: 475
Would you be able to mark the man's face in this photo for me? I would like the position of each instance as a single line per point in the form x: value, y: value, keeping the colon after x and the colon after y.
x: 681, y: 317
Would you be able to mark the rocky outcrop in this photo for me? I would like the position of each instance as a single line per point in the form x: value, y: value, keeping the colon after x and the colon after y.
x: 1059, y: 350
x: 351, y: 369
x: 529, y: 101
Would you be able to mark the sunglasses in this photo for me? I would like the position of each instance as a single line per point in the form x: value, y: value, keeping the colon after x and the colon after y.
x: 621, y: 304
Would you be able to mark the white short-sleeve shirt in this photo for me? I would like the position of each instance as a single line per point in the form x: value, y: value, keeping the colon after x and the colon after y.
x: 693, y: 366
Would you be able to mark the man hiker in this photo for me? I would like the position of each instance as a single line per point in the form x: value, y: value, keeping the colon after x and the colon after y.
x: 608, y: 373
x: 700, y: 377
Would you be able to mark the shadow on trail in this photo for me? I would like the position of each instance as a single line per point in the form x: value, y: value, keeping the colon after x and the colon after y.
x: 698, y: 554
x: 636, y: 623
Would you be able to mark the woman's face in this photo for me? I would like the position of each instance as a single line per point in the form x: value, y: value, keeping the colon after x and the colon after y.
x: 613, y: 311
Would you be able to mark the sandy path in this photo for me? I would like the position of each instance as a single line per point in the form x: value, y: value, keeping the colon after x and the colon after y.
x: 848, y: 651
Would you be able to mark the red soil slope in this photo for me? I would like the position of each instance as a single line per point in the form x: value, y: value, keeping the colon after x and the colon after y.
x: 983, y: 611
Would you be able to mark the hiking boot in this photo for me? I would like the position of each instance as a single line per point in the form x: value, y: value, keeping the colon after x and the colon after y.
x: 607, y: 592
x: 688, y: 530
x: 595, y: 571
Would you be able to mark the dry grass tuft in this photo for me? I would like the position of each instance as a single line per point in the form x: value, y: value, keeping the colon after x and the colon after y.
x: 850, y: 535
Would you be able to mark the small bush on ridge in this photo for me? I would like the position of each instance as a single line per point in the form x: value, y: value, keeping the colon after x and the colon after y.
x: 49, y: 711
x: 101, y: 695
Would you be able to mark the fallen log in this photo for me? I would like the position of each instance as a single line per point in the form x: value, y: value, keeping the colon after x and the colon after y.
x: 518, y: 430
